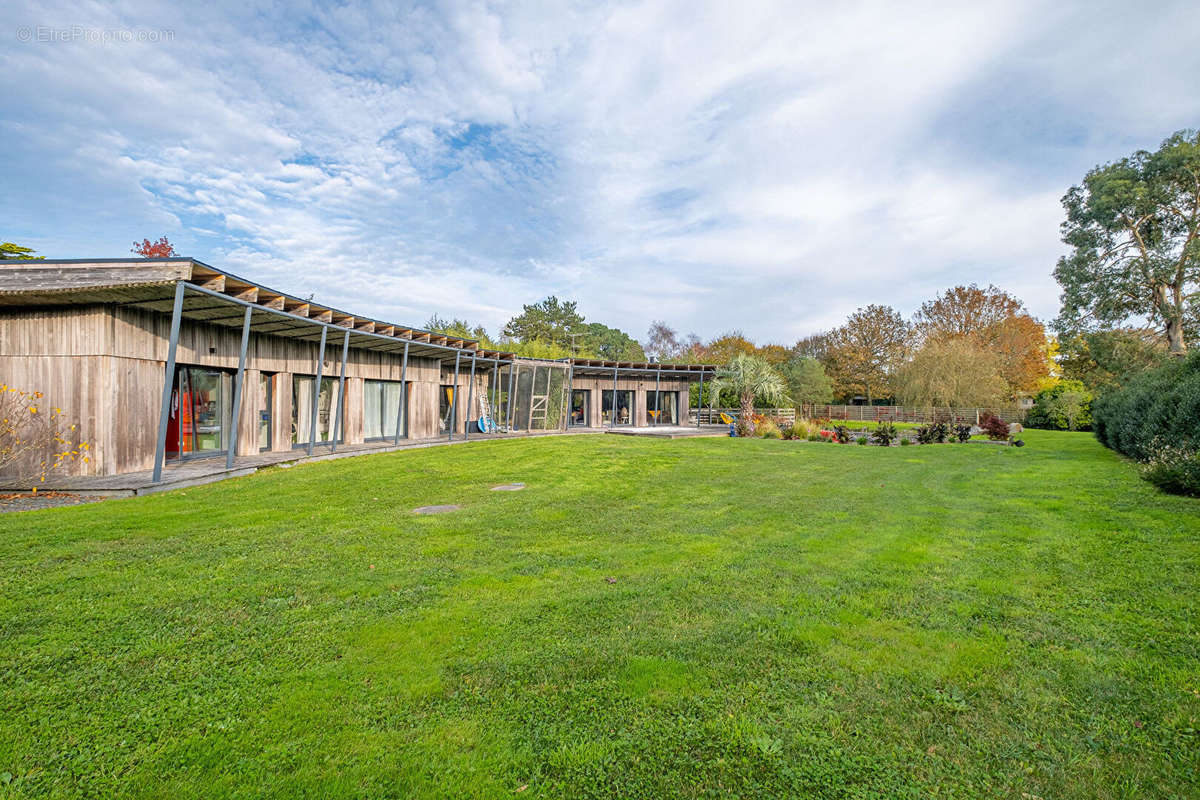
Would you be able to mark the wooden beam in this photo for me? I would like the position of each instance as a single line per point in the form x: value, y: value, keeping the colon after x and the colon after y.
x: 366, y: 326
x: 320, y: 314
x: 386, y: 330
x: 216, y: 283
x: 343, y: 320
x: 270, y: 300
x: 297, y: 307
x: 249, y: 294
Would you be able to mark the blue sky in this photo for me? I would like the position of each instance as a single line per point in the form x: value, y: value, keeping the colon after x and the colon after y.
x: 758, y: 166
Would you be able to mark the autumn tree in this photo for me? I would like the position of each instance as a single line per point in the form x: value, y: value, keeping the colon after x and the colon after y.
x: 953, y: 372
x: 725, y: 347
x: 15, y: 252
x: 662, y: 341
x: 551, y: 321
x: 815, y: 345
x: 865, y: 353
x: 993, y: 320
x: 159, y: 249
x: 1134, y: 231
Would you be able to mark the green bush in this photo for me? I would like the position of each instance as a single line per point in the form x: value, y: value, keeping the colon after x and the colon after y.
x: 1157, y: 409
x: 905, y: 443
x: 1175, y: 470
x: 1155, y: 419
x: 861, y: 440
x: 1066, y: 406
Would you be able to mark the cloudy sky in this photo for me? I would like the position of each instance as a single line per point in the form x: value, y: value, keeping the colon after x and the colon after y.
x: 758, y: 166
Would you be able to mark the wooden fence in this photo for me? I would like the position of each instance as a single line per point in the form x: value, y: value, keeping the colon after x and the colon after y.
x: 962, y: 416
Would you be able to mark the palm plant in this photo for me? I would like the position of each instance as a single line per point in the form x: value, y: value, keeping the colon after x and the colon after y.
x: 750, y: 377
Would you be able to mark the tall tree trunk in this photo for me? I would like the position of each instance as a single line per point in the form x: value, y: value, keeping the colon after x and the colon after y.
x: 1174, y: 318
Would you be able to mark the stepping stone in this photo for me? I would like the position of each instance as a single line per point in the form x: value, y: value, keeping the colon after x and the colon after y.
x: 508, y: 487
x: 435, y: 509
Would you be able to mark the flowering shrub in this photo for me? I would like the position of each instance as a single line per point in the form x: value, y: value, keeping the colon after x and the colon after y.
x: 35, y: 438
x: 841, y: 434
x: 1174, y: 469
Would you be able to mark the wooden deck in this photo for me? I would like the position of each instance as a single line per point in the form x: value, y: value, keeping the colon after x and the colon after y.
x: 198, y: 471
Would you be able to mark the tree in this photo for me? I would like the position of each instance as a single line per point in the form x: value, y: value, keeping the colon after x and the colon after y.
x: 725, y: 347
x: 601, y: 341
x: 1107, y: 359
x: 951, y: 373
x: 807, y: 383
x: 994, y: 320
x: 15, y: 252
x: 1134, y: 230
x: 462, y: 329
x: 148, y: 249
x: 812, y: 346
x: 750, y: 377
x: 1067, y: 405
x: 776, y: 354
x: 551, y: 321
x: 662, y: 341
x: 865, y: 353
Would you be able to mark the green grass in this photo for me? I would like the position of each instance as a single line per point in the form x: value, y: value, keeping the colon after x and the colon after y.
x: 787, y: 619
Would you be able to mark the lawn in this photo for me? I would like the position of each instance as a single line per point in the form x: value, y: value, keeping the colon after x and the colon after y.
x: 649, y: 618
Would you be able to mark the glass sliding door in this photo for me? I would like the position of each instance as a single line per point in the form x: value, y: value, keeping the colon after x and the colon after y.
x: 302, y: 398
x: 624, y: 407
x: 580, y: 406
x: 199, y: 415
x: 662, y: 408
x: 381, y: 403
x: 445, y: 404
x: 266, y: 394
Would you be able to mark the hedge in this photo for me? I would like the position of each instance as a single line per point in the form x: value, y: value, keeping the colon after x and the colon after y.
x: 1156, y: 417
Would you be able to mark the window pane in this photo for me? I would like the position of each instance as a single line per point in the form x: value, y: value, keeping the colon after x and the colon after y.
x: 390, y: 407
x: 372, y: 409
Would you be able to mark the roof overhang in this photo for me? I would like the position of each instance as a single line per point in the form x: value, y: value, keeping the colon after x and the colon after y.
x: 218, y: 298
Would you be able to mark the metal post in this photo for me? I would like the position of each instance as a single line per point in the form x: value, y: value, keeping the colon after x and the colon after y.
x: 495, y: 393
x: 339, y: 419
x: 657, y: 395
x: 570, y: 393
x: 164, y: 414
x: 700, y: 400
x: 508, y: 411
x: 312, y: 423
x: 612, y: 409
x: 403, y: 393
x: 237, y: 391
x: 454, y: 397
x: 470, y: 401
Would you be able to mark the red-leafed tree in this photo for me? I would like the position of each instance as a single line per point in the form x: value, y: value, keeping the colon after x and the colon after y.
x: 148, y: 249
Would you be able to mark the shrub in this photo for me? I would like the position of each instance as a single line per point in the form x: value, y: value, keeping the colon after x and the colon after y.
x: 1066, y: 406
x: 861, y: 440
x: 905, y: 442
x: 962, y: 433
x: 813, y: 437
x: 743, y: 428
x: 995, y: 428
x: 800, y: 429
x: 940, y: 432
x: 35, y: 438
x: 841, y: 434
x: 925, y: 434
x: 1174, y: 469
x: 883, y: 434
x: 767, y: 430
x: 1155, y: 409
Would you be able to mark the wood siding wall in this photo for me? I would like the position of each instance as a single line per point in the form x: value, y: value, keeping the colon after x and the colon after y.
x: 104, y: 366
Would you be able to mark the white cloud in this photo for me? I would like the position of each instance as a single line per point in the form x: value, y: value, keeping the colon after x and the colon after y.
x: 767, y: 167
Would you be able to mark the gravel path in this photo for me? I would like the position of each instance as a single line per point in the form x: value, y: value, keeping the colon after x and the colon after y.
x: 32, y: 502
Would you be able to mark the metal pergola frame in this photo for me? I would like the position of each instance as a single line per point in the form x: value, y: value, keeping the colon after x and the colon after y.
x: 177, y: 314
